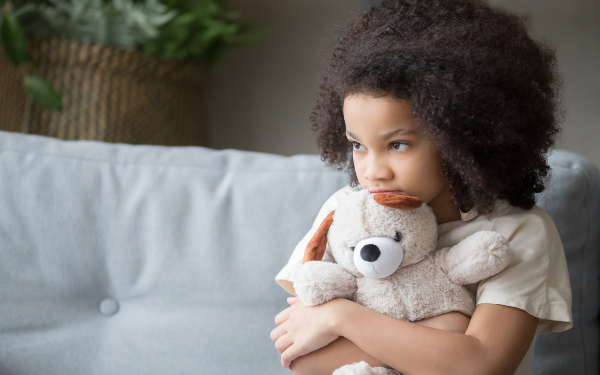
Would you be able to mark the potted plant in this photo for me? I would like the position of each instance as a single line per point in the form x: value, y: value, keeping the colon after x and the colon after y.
x: 129, y: 71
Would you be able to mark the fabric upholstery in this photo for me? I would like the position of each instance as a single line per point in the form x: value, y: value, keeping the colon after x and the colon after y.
x: 573, y: 201
x: 130, y: 259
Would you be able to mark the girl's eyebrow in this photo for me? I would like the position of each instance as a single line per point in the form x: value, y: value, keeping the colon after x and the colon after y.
x: 389, y: 135
x: 351, y: 135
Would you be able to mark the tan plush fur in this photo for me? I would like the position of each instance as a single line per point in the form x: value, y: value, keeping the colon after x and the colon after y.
x: 425, y: 284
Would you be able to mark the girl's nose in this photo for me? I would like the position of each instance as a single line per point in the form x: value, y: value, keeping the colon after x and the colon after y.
x: 377, y: 169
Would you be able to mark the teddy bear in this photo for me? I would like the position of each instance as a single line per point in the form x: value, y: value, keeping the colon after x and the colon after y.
x: 383, y: 256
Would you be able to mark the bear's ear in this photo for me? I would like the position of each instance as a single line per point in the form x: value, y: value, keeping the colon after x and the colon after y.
x: 402, y: 202
x: 315, y: 250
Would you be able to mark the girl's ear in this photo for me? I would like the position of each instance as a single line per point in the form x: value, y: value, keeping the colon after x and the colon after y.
x: 402, y: 202
x: 316, y: 247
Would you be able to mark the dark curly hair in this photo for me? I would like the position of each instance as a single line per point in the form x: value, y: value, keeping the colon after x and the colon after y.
x: 481, y: 90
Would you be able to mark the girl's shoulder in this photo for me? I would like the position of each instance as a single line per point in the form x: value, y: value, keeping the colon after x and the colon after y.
x: 285, y: 277
x: 537, y: 278
x: 345, y: 191
x: 506, y: 219
x: 517, y: 222
x: 332, y: 202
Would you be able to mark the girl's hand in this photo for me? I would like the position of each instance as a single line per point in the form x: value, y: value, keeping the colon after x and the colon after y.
x: 302, y: 329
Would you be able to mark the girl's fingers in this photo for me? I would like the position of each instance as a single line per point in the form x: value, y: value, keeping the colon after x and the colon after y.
x: 289, y: 355
x: 292, y: 300
x: 283, y: 343
x: 283, y: 316
x: 279, y: 331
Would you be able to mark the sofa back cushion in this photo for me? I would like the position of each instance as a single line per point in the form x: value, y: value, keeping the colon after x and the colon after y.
x: 130, y: 259
x: 572, y: 199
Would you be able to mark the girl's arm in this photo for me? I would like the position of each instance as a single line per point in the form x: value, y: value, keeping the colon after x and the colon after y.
x: 495, y: 342
x: 343, y: 351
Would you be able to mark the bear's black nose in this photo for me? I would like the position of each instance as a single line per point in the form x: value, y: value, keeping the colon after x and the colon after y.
x: 370, y: 253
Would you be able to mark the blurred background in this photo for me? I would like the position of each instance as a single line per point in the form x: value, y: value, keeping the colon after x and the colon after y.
x: 240, y: 74
x: 262, y: 98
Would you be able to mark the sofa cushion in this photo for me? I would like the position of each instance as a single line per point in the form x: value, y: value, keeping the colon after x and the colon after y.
x: 134, y: 259
x: 572, y: 199
x: 129, y: 259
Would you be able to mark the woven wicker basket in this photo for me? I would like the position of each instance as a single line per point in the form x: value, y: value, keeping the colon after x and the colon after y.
x: 108, y: 95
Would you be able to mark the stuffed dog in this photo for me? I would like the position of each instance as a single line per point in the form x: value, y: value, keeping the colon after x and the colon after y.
x: 383, y: 257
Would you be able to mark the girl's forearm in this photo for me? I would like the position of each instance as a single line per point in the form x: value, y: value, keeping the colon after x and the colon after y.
x: 401, y: 345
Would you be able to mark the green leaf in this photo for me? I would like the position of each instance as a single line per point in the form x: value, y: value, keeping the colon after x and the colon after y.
x: 231, y: 16
x: 13, y: 39
x: 183, y: 19
x: 43, y: 93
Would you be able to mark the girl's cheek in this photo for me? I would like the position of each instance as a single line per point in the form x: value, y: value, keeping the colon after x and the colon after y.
x: 359, y: 171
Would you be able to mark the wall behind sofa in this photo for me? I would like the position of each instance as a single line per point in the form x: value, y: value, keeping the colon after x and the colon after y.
x: 262, y: 97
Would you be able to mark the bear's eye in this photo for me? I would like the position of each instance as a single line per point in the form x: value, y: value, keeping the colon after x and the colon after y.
x: 352, y: 248
x: 397, y: 237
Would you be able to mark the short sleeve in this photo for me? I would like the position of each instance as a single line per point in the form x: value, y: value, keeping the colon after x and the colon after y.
x: 537, y: 278
x: 285, y: 277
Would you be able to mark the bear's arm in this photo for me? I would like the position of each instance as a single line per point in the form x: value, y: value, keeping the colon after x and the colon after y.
x: 477, y: 257
x: 317, y: 282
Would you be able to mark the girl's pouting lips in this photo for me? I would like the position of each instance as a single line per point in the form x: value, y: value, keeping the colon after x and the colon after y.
x: 374, y: 191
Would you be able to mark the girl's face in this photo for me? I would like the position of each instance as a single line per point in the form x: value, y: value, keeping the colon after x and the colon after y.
x: 390, y: 154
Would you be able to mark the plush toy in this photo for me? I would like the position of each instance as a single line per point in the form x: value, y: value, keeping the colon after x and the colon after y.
x: 383, y: 257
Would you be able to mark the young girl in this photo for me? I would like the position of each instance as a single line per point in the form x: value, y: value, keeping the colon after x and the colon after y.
x: 452, y: 102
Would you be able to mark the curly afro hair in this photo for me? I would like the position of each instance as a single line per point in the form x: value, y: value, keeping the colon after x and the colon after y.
x: 481, y: 90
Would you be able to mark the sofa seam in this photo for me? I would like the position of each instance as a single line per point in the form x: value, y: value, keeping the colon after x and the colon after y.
x: 117, y: 162
x: 583, y: 273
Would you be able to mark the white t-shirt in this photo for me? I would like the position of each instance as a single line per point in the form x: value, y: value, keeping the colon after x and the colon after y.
x: 536, y: 279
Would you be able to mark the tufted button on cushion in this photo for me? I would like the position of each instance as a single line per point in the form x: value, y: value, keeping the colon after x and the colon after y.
x: 109, y: 306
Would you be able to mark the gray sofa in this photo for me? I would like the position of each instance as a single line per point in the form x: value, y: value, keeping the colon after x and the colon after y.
x: 128, y: 259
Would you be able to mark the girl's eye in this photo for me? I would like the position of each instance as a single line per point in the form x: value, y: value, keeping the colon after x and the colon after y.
x: 399, y: 146
x: 357, y: 146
